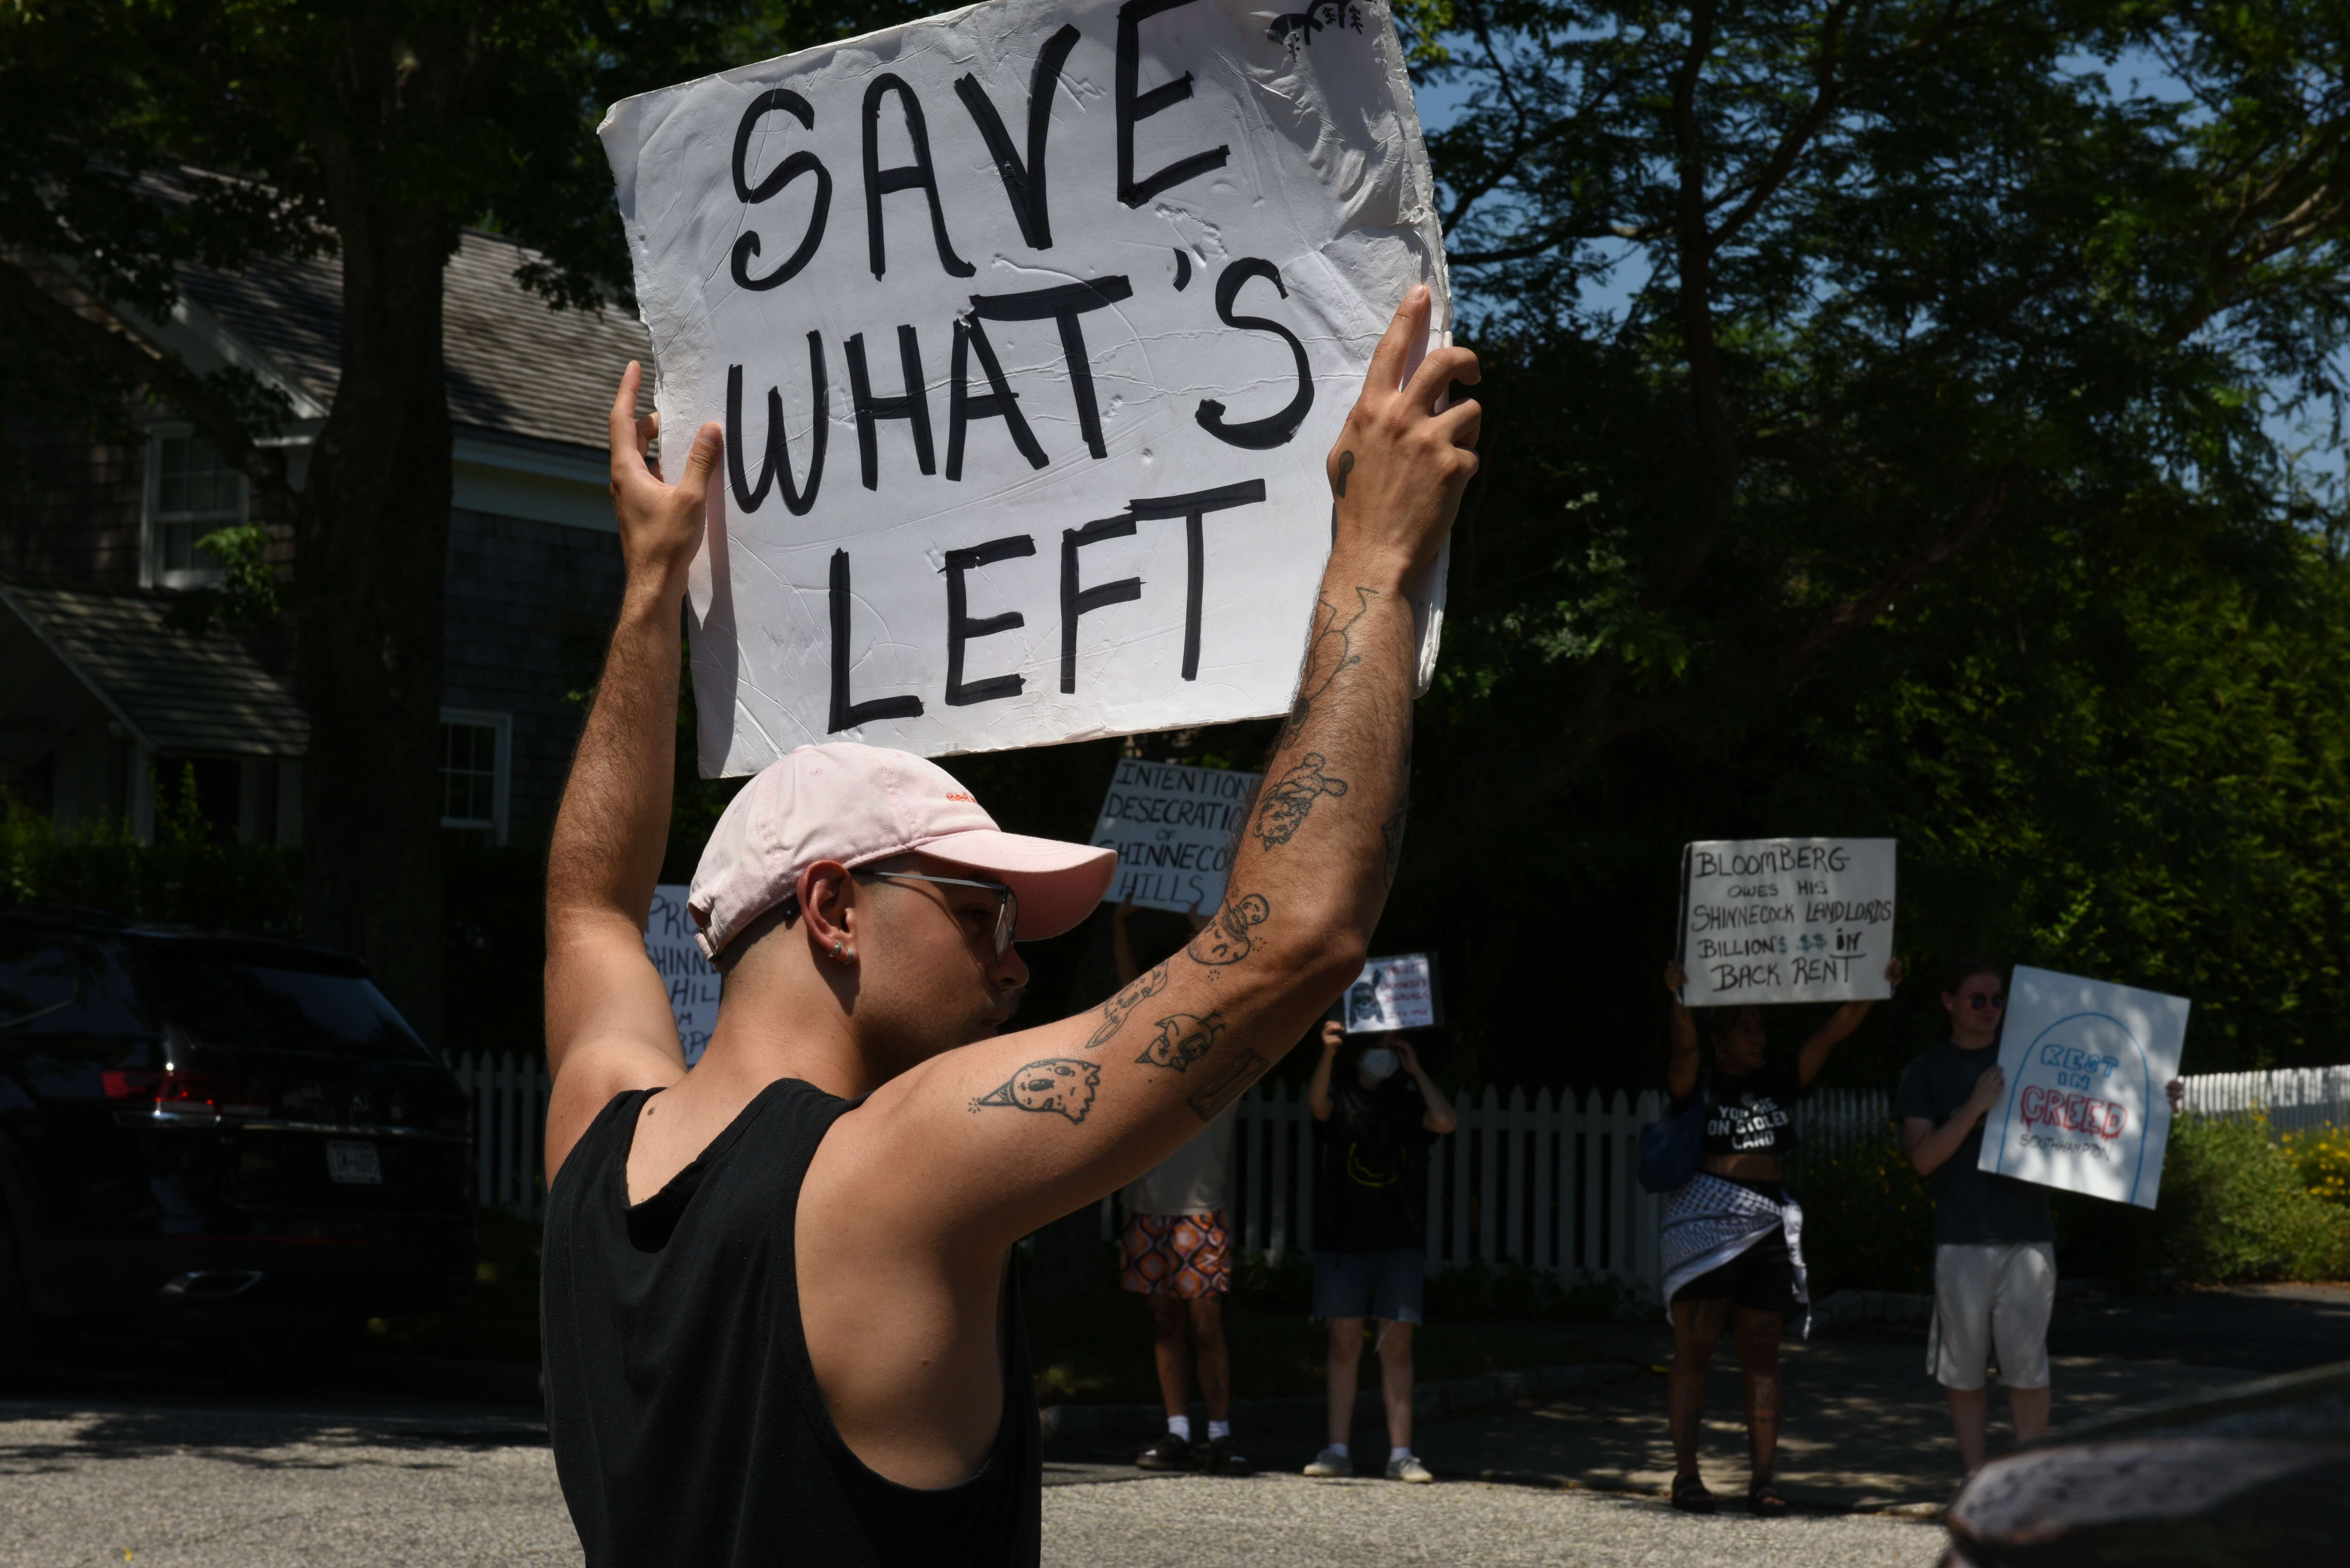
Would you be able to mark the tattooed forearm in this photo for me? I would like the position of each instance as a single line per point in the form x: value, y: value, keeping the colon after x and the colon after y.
x: 1346, y: 467
x: 1231, y: 1080
x: 1391, y: 830
x: 1182, y: 1040
x: 1060, y: 1085
x: 1227, y: 939
x: 1287, y: 800
x: 1119, y: 1008
x: 1329, y: 651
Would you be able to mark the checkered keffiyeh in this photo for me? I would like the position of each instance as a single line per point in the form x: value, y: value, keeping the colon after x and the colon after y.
x: 1708, y: 1221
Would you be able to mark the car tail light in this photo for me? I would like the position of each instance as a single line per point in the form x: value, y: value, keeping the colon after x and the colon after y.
x: 180, y: 1092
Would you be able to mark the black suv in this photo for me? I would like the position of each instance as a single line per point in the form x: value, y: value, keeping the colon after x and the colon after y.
x: 212, y: 1133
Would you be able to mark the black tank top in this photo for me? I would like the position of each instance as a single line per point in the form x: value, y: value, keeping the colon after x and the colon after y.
x: 685, y: 1416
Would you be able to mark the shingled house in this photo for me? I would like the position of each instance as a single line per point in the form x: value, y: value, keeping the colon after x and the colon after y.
x: 100, y: 696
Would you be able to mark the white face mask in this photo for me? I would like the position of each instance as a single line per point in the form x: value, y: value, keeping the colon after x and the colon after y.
x: 1379, y: 1063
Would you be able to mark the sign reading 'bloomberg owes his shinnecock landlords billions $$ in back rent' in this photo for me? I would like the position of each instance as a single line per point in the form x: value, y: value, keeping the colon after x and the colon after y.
x: 1786, y: 919
x: 1031, y: 327
x: 1173, y: 826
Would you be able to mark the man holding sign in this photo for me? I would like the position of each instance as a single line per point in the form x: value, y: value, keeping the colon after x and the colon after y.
x: 779, y: 1314
x: 1995, y: 1238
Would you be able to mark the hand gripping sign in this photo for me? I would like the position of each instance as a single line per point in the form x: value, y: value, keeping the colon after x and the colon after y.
x: 2087, y: 1064
x: 1030, y: 328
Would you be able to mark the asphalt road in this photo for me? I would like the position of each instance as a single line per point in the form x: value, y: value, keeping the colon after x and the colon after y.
x: 193, y: 1487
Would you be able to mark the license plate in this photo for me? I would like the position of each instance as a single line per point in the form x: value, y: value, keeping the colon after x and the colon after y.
x: 355, y: 1162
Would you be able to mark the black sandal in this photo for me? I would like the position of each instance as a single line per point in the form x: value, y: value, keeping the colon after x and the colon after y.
x: 1764, y: 1501
x: 1690, y: 1495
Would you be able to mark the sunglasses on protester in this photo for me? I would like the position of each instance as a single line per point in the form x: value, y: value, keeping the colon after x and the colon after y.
x: 1988, y: 1001
x: 1007, y: 902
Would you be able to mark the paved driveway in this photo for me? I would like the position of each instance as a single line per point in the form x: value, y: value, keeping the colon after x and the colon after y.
x: 197, y: 1488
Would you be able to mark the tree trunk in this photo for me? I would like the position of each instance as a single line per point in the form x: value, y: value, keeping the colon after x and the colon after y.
x: 373, y: 544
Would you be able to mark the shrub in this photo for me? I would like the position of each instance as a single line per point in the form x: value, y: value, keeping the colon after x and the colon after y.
x: 2323, y: 1158
x: 186, y: 877
x: 2235, y: 1205
x: 1868, y: 1216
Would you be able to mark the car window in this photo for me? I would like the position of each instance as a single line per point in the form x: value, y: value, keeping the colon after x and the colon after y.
x: 39, y: 981
x: 280, y: 1007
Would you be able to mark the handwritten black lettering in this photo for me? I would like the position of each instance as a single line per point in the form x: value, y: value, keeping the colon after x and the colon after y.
x: 846, y: 714
x: 776, y: 463
x: 919, y: 175
x: 1193, y: 509
x: 1135, y: 105
x: 1023, y: 181
x: 962, y: 628
x: 746, y: 246
x: 1076, y: 601
x: 1275, y: 429
x: 912, y: 405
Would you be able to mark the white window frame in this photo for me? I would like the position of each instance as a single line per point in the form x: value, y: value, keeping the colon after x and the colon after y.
x: 153, y: 573
x: 502, y: 776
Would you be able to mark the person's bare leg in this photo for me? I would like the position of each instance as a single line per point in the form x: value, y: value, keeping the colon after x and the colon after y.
x: 1696, y: 1327
x: 1346, y: 1361
x: 1215, y: 1358
x: 1167, y: 1346
x: 1395, y: 1381
x: 1757, y: 1336
x: 1970, y: 1410
x: 2030, y: 1408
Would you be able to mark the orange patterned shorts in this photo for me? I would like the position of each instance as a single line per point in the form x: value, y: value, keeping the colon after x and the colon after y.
x: 1185, y: 1255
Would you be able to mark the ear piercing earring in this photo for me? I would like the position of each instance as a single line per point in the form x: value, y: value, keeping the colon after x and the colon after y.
x: 837, y: 943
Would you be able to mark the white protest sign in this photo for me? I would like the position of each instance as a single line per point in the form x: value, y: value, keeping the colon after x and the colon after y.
x: 1786, y: 919
x: 692, y: 983
x: 1397, y: 992
x: 1173, y: 826
x: 1031, y: 327
x: 2087, y: 1064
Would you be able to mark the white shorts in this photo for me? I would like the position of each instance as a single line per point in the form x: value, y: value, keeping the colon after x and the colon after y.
x: 1993, y: 1296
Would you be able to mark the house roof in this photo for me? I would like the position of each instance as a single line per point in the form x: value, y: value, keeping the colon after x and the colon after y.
x: 172, y: 689
x: 516, y: 366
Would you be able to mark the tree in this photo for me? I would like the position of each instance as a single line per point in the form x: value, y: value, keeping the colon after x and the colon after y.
x: 150, y: 136
x: 1892, y: 274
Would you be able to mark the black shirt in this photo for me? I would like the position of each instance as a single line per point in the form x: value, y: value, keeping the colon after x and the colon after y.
x: 1970, y: 1206
x: 1752, y: 1112
x: 1370, y: 1172
x: 684, y: 1415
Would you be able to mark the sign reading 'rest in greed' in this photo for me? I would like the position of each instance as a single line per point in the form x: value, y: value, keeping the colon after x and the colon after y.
x: 1786, y: 919
x: 1030, y: 328
x: 1173, y: 826
x: 692, y: 983
x: 2087, y: 1064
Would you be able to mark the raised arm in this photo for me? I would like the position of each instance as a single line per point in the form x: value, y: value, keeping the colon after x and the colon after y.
x: 609, y: 1023
x: 1014, y: 1132
x: 1317, y: 1087
x: 1439, y: 1117
x: 1681, y: 1064
x: 1837, y: 1029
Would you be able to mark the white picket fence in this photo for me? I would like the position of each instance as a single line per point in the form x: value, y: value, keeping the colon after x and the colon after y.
x: 1546, y: 1181
x: 2294, y: 1098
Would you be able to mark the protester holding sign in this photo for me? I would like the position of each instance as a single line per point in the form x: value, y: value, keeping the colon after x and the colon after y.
x: 1995, y: 1238
x: 781, y: 1322
x: 1176, y: 1254
x: 1732, y: 1240
x: 1376, y: 1110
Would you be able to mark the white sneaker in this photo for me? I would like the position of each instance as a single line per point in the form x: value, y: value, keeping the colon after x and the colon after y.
x: 1331, y: 1462
x: 1409, y: 1469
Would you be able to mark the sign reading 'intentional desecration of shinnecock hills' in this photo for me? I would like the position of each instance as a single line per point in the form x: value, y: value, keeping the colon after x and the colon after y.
x: 1174, y: 828
x: 1030, y: 328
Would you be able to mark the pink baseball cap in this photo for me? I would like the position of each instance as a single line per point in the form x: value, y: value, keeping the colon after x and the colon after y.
x: 858, y: 803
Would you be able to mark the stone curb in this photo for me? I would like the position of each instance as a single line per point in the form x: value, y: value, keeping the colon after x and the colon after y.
x: 1801, y: 1500
x: 1303, y: 1415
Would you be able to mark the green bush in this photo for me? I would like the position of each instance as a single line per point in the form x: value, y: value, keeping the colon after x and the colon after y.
x: 2234, y: 1205
x: 1868, y: 1216
x: 186, y: 877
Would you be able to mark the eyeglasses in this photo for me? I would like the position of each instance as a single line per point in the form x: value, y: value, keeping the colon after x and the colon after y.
x: 1984, y: 1001
x: 1007, y: 902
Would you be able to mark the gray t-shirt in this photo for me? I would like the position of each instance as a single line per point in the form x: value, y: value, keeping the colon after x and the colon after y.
x: 1192, y: 1179
x: 1970, y: 1205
